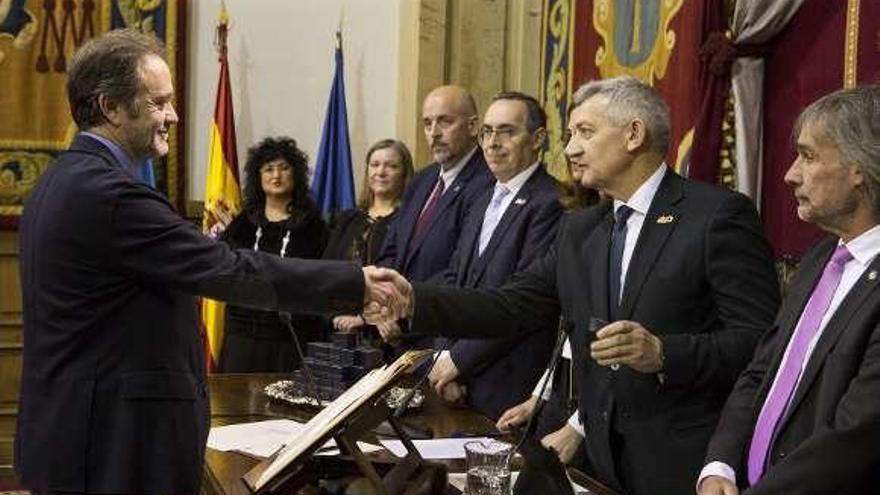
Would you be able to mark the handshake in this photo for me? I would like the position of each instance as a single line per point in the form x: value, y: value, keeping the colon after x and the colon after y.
x: 388, y: 297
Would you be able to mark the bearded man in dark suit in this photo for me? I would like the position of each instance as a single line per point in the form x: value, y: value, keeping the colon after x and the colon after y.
x: 804, y: 417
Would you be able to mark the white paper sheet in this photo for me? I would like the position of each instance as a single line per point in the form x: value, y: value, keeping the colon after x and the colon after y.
x: 437, y: 448
x: 264, y: 438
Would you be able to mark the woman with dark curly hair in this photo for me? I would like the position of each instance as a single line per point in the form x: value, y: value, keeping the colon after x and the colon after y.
x: 278, y: 217
x: 358, y: 234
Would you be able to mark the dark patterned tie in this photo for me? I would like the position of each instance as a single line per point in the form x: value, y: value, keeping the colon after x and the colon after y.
x: 428, y: 211
x: 615, y: 259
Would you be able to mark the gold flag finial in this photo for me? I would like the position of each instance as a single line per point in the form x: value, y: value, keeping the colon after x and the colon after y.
x: 223, y: 16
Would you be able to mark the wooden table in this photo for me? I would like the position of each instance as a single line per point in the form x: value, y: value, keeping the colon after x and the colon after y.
x: 239, y: 398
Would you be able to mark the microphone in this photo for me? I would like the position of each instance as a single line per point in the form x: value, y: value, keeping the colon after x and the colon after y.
x: 564, y: 328
x: 401, y: 407
x: 311, y: 387
x: 542, y: 471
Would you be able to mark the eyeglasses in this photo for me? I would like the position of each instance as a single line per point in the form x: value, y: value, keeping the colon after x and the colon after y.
x: 277, y: 167
x: 501, y: 134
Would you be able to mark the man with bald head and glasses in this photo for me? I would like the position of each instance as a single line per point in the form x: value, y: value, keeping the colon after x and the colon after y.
x: 511, y: 225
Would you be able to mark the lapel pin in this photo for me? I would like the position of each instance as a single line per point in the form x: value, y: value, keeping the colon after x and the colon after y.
x: 519, y: 201
x: 872, y: 275
x: 662, y: 220
x: 457, y: 188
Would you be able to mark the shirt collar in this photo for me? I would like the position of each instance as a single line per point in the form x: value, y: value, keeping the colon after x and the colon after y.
x: 515, y: 183
x: 641, y: 200
x: 116, y: 150
x: 866, y: 246
x: 449, y: 176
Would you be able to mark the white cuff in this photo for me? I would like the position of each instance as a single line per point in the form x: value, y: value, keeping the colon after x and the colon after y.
x: 717, y: 468
x: 575, y: 422
x: 548, y: 390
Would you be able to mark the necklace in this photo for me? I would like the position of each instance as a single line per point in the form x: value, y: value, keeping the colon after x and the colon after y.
x: 284, y: 241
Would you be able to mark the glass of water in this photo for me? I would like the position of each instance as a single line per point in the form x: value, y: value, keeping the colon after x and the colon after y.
x: 488, y: 467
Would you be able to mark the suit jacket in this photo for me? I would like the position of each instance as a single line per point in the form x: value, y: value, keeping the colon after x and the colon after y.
x: 113, y: 392
x: 500, y: 373
x: 701, y: 279
x: 836, y: 398
x: 431, y: 254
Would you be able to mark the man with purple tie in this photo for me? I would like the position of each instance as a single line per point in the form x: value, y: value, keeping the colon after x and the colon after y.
x: 804, y: 418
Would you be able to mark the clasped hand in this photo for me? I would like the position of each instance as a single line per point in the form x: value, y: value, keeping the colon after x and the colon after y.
x: 388, y: 298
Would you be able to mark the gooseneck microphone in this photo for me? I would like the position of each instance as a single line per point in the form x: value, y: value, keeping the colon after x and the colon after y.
x: 311, y: 387
x: 565, y: 327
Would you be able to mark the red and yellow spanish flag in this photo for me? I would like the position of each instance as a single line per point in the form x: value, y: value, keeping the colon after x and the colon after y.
x: 221, y: 183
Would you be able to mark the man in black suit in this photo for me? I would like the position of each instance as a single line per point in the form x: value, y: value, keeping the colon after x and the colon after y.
x: 421, y: 240
x: 680, y: 269
x: 510, y: 226
x: 113, y: 390
x: 803, y: 417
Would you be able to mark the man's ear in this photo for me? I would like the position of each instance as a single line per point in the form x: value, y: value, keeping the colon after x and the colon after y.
x: 540, y: 135
x: 636, y: 134
x: 473, y: 123
x: 111, y: 109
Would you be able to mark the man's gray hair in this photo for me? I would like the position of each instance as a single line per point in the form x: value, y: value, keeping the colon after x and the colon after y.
x: 628, y: 99
x: 850, y: 119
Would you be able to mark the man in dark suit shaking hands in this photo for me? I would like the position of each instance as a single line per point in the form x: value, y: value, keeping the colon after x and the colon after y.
x: 681, y: 271
x: 113, y: 390
x: 803, y: 417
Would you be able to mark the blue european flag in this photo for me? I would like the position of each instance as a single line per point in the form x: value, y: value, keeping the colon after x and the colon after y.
x: 333, y: 185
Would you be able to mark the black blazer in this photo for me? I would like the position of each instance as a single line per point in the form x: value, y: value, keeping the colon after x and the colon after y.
x: 113, y: 392
x: 701, y: 278
x: 430, y: 256
x: 500, y: 373
x: 836, y: 399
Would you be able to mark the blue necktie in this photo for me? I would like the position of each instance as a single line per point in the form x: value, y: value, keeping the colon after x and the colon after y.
x: 615, y: 259
x: 492, y: 217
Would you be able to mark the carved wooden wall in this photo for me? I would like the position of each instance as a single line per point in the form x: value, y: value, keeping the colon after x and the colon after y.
x: 484, y: 45
x: 10, y: 348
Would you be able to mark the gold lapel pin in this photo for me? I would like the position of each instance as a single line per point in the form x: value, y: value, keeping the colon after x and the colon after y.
x: 872, y: 275
x: 662, y: 220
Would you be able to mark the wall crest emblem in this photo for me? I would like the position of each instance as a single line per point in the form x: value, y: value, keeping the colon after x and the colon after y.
x: 636, y: 39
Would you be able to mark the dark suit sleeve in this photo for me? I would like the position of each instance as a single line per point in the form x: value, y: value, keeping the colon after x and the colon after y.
x: 152, y: 243
x: 844, y: 460
x: 742, y: 282
x: 733, y: 433
x: 842, y: 454
x: 472, y: 355
x: 524, y: 304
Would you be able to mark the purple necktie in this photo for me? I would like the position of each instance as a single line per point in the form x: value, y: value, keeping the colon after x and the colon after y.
x: 787, y: 376
x: 428, y: 211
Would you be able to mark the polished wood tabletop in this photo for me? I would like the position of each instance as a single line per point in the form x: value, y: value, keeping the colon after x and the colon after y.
x: 239, y: 398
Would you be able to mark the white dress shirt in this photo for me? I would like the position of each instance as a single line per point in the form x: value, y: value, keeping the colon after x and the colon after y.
x: 640, y: 202
x: 864, y: 249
